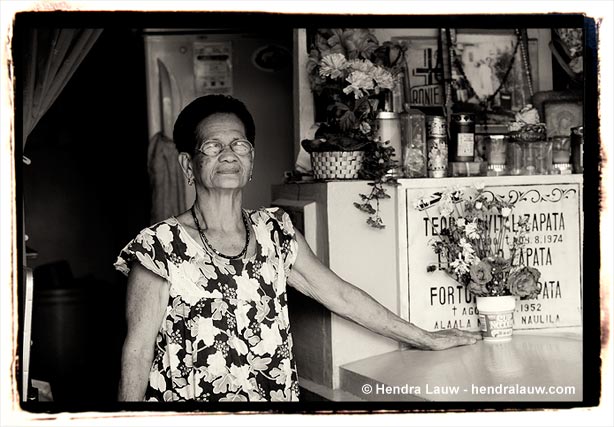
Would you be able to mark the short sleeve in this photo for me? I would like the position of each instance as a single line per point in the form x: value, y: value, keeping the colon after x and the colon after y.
x: 288, y: 242
x: 148, y: 250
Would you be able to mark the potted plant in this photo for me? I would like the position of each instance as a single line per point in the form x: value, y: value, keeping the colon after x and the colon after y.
x: 350, y: 74
x: 481, y: 248
x: 347, y: 85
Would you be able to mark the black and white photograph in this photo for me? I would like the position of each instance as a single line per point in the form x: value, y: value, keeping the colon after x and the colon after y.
x: 281, y: 213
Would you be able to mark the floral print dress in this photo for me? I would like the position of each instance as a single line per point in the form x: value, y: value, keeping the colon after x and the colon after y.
x: 226, y: 333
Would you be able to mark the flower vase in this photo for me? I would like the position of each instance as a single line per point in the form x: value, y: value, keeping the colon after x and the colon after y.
x: 496, y: 317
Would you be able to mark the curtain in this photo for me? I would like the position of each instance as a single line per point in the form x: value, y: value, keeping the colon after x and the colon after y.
x: 51, y: 57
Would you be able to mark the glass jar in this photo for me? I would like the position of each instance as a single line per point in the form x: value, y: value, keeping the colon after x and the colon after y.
x: 496, y: 151
x: 413, y: 132
x: 462, y: 138
x: 537, y: 158
x: 389, y: 129
x: 515, y: 158
x: 561, y: 149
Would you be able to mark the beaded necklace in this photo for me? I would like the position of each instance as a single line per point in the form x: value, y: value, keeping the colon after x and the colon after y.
x: 205, y: 241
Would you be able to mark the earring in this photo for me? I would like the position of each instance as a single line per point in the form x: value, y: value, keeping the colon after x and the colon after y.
x: 191, y: 180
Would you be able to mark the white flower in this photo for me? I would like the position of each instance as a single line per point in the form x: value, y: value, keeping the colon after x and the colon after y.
x: 146, y: 239
x: 333, y: 65
x: 267, y: 272
x: 465, y: 245
x: 365, y: 127
x: 238, y: 344
x: 241, y: 315
x: 216, y: 364
x: 165, y: 235
x: 383, y: 78
x: 363, y: 65
x: 479, y: 185
x: 263, y: 235
x: 247, y: 288
x: 478, y: 205
x: 461, y: 222
x: 204, y: 330
x: 190, y: 285
x: 359, y: 81
x: 240, y: 374
x: 282, y: 373
x: 157, y: 380
x: 505, y: 212
x: 459, y: 265
x: 271, y: 339
x: 193, y: 273
x: 471, y: 230
x: 468, y: 254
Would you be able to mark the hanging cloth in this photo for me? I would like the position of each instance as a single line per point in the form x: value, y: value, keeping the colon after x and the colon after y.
x: 51, y: 57
x: 166, y: 179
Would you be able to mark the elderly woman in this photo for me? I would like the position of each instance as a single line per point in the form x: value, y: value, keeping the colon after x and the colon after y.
x: 206, y: 309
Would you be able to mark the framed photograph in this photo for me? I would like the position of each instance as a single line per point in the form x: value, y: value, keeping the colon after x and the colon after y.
x: 486, y: 57
x: 561, y: 116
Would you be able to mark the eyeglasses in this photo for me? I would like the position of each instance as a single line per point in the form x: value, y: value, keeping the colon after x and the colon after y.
x: 242, y: 147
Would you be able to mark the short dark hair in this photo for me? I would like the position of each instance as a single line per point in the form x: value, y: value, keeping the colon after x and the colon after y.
x: 185, y: 132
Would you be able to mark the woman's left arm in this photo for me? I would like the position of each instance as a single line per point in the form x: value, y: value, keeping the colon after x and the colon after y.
x: 312, y: 278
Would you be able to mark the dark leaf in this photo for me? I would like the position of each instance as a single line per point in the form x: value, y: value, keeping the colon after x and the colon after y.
x: 365, y: 207
x: 362, y: 105
x: 341, y: 106
x: 347, y: 120
x: 376, y: 223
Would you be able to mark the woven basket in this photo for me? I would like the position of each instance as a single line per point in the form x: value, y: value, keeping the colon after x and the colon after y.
x: 336, y: 164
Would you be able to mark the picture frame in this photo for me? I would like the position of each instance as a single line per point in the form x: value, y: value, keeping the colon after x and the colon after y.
x: 485, y: 57
x: 424, y: 76
x: 562, y: 116
x: 559, y: 110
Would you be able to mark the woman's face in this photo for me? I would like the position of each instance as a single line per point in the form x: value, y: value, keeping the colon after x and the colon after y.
x: 226, y: 170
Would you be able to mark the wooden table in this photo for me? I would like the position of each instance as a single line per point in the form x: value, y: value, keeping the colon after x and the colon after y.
x: 531, y: 367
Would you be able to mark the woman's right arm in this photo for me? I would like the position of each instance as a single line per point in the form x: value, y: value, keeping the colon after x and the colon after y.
x: 146, y: 300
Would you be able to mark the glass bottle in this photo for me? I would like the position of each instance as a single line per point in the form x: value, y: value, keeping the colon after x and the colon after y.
x: 462, y: 138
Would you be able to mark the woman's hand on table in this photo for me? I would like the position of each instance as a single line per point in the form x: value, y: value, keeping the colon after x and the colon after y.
x: 448, y: 338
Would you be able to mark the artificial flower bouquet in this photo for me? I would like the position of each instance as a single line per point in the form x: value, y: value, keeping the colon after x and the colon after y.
x: 350, y: 74
x: 481, y: 244
x: 350, y: 70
